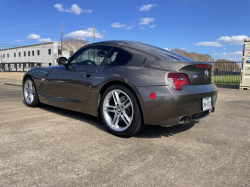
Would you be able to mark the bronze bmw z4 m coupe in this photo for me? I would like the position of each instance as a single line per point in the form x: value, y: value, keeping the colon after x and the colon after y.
x: 127, y: 84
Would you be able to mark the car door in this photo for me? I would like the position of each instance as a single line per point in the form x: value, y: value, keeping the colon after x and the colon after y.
x: 73, y: 82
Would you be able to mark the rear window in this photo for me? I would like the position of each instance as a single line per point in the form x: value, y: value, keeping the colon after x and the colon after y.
x: 117, y: 57
x: 168, y: 55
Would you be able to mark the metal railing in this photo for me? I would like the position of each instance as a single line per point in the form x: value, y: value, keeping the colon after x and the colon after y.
x: 18, y: 67
x: 227, y: 72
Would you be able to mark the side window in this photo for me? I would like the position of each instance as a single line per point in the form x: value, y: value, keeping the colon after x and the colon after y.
x: 91, y: 56
x: 117, y: 57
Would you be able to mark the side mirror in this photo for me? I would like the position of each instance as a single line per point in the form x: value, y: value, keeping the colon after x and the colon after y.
x: 62, y: 61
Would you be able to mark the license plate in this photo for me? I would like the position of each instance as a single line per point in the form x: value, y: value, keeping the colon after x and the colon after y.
x: 206, y: 103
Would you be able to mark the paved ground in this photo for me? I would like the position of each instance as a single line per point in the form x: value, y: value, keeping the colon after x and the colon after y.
x: 8, y: 77
x: 48, y: 146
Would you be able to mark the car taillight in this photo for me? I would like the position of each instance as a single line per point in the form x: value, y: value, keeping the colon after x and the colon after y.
x: 177, y: 80
x: 204, y: 66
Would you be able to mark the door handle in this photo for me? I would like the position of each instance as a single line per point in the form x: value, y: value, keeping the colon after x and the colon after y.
x: 88, y: 75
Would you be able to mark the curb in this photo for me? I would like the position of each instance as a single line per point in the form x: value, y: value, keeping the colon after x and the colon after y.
x: 12, y: 84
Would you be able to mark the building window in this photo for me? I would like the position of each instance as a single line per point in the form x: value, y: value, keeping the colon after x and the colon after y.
x: 33, y: 53
x: 38, y: 52
x: 49, y: 51
x: 3, y: 55
x: 24, y: 53
x: 20, y: 65
x: 14, y: 54
x: 59, y: 52
x: 7, y: 55
x: 19, y: 54
x: 28, y: 53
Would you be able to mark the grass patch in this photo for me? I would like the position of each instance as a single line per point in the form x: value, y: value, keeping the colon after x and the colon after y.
x: 227, y: 79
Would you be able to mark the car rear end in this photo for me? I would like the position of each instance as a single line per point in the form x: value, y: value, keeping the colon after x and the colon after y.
x: 194, y: 92
x: 190, y: 95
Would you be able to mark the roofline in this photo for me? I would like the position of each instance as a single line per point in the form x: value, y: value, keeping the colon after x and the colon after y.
x: 29, y: 45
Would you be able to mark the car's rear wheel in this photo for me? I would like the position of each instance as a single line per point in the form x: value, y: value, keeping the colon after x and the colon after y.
x: 29, y: 93
x: 120, y: 111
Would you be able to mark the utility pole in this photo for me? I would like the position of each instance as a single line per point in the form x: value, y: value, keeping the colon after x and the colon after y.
x: 61, y: 37
x: 93, y: 33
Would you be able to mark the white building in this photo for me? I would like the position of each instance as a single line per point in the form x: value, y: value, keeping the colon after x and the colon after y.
x: 43, y: 54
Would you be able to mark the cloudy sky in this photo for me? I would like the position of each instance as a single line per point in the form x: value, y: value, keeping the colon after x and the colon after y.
x: 215, y: 27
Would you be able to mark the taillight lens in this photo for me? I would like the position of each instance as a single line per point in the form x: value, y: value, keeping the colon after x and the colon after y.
x: 177, y: 80
x: 204, y: 66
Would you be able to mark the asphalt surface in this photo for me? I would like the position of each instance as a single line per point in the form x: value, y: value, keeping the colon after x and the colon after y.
x: 48, y: 146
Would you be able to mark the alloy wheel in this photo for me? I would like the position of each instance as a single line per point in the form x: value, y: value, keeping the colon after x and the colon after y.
x: 118, y: 110
x: 29, y: 91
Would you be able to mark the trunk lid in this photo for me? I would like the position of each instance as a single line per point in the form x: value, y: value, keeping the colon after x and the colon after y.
x: 198, y: 75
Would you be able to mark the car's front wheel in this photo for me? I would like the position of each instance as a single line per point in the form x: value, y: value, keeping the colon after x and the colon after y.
x: 120, y: 111
x: 29, y: 93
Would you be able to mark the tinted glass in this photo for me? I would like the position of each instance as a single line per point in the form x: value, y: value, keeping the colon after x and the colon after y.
x: 33, y: 53
x: 168, y: 55
x: 49, y: 51
x: 91, y: 56
x: 19, y: 54
x: 117, y: 57
x: 38, y: 52
x: 14, y: 54
x: 24, y: 53
x: 28, y: 53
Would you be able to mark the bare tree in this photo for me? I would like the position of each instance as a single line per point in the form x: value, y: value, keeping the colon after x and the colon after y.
x: 73, y: 44
x: 194, y: 56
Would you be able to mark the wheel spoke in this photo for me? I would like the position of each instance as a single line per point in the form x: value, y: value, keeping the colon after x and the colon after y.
x: 115, y: 119
x: 126, y: 117
x: 123, y: 118
x: 31, y: 97
x: 27, y: 88
x: 125, y: 106
x: 116, y: 97
x: 110, y: 110
x: 28, y: 97
x: 113, y: 94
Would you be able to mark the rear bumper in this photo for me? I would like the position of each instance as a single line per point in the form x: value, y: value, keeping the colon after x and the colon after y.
x: 171, y: 105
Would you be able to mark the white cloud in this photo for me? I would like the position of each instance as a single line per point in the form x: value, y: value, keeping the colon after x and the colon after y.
x: 214, y: 44
x: 224, y: 48
x: 147, y: 7
x: 237, y: 55
x: 118, y: 25
x: 88, y: 33
x: 141, y: 28
x: 44, y: 40
x: 146, y: 21
x: 18, y: 40
x: 33, y: 37
x: 130, y: 27
x: 73, y: 9
x: 167, y: 49
x: 234, y: 40
x: 152, y: 26
x: 38, y: 38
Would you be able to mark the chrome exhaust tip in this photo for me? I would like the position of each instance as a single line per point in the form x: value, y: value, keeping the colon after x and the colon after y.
x: 184, y: 120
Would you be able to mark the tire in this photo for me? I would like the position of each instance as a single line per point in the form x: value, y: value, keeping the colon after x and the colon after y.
x: 30, y: 93
x: 120, y: 112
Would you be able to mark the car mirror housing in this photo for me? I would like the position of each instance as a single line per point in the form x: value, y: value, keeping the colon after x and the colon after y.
x: 62, y: 61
